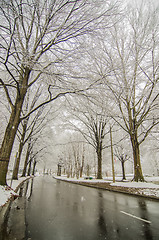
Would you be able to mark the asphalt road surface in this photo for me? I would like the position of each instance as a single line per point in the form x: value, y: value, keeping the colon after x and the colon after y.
x: 54, y: 210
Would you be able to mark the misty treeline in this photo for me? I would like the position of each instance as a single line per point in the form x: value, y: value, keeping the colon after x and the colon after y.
x: 99, y: 57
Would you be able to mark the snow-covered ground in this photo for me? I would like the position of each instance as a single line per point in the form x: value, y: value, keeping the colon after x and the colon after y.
x: 149, y: 181
x: 7, y: 192
x: 135, y: 184
x: 81, y: 179
x: 145, y: 188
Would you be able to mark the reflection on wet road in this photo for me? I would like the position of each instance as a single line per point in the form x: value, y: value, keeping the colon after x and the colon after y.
x: 56, y: 210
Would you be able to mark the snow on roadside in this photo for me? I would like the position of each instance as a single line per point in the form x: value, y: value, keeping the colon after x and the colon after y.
x: 16, y: 183
x: 118, y: 183
x: 148, y: 189
x: 81, y: 179
x: 6, y: 192
x: 152, y: 179
x: 135, y: 185
x: 142, y: 188
x: 150, y: 192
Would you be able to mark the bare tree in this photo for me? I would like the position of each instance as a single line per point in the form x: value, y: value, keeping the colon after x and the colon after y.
x: 92, y: 125
x: 26, y: 127
x: 29, y: 30
x: 130, y: 71
x: 122, y: 157
x: 79, y: 158
x: 82, y: 161
x: 76, y: 160
x: 34, y: 158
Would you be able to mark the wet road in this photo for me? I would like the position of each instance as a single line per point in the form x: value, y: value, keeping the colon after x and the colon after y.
x: 55, y: 210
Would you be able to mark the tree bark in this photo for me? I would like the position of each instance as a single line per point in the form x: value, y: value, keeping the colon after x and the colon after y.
x: 138, y: 175
x: 16, y: 169
x: 59, y: 170
x: 26, y: 160
x: 21, y: 144
x: 88, y: 170
x: 123, y: 169
x: 112, y: 155
x: 99, y: 156
x: 11, y: 129
x: 82, y: 166
x: 7, y: 143
x: 34, y: 165
x: 29, y: 167
x: 71, y: 170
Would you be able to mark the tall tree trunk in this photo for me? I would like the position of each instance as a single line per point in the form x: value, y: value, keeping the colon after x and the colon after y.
x: 123, y: 169
x: 34, y: 165
x: 16, y: 169
x: 21, y: 144
x: 77, y: 166
x: 29, y: 167
x: 58, y: 170
x: 112, y: 154
x: 63, y: 170
x: 76, y: 169
x: 138, y: 175
x: 82, y: 166
x: 7, y: 143
x: 88, y: 170
x: 71, y: 169
x: 11, y: 129
x: 99, y: 156
x: 68, y: 172
x: 26, y: 160
x: 81, y: 169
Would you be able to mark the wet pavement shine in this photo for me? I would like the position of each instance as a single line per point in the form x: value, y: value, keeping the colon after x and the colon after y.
x: 57, y: 210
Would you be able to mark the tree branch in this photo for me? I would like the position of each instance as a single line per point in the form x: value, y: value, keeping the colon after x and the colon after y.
x: 7, y: 93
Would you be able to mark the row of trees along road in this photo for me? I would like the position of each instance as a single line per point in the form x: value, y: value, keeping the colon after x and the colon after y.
x: 118, y: 61
x: 92, y: 123
x: 125, y: 59
x: 35, y: 37
x: 29, y: 130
